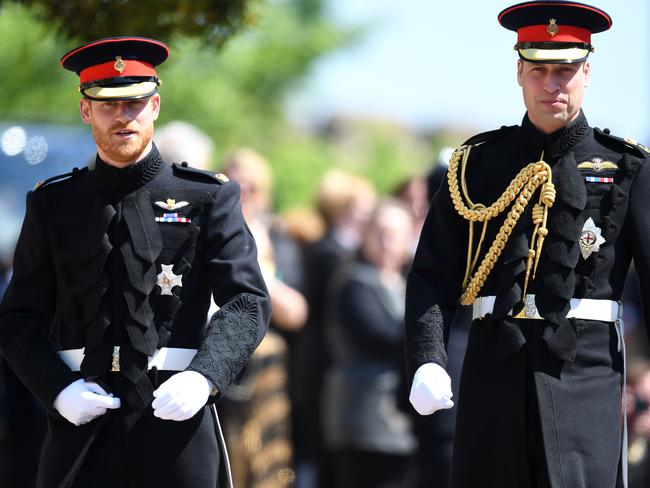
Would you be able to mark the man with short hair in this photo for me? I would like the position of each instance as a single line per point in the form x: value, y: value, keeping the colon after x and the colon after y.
x: 535, y: 228
x: 104, y: 318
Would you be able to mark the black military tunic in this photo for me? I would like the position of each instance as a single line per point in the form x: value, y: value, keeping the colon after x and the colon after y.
x: 86, y: 274
x: 540, y: 400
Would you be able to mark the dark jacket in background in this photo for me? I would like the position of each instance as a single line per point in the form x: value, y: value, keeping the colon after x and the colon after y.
x: 365, y: 337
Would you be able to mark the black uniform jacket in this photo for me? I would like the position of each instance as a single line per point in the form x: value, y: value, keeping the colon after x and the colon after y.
x: 557, y: 378
x: 87, y: 274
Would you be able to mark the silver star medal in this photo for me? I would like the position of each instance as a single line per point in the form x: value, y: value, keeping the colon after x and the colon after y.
x: 166, y: 279
x: 590, y: 239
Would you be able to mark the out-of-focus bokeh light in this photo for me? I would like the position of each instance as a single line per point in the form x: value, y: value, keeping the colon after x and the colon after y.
x: 13, y: 140
x: 35, y: 150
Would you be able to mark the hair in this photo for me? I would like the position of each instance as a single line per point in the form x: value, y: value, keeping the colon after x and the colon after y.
x: 180, y: 141
x: 337, y: 190
x: 251, y: 163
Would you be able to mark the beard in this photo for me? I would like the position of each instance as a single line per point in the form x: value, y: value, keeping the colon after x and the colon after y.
x: 123, y: 151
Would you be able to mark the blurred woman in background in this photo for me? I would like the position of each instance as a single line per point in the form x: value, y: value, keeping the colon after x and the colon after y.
x: 370, y: 437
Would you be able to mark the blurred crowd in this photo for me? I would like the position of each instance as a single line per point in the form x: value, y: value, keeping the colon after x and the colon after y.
x: 323, y: 402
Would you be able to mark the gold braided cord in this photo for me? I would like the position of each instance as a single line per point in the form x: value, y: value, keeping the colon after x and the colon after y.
x: 519, y: 191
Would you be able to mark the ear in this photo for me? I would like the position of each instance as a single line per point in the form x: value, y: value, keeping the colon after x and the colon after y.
x: 587, y: 71
x: 155, y: 105
x: 85, y: 111
x: 520, y: 71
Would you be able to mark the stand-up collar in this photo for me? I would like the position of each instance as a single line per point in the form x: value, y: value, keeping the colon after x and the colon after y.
x: 535, y: 141
x: 125, y: 180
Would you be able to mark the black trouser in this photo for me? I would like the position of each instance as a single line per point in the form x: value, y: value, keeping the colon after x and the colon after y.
x: 153, y: 453
x: 366, y: 469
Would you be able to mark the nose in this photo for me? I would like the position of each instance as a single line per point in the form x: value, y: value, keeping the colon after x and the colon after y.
x: 123, y: 112
x: 551, y: 85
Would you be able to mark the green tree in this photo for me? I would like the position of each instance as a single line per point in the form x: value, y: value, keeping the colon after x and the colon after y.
x: 213, y: 20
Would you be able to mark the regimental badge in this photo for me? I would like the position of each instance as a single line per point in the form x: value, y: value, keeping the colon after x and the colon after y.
x: 552, y: 28
x: 172, y: 204
x: 221, y: 177
x: 167, y: 280
x: 120, y: 64
x: 590, y: 238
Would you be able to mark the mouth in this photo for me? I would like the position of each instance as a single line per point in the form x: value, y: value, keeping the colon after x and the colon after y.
x: 554, y: 102
x: 126, y: 133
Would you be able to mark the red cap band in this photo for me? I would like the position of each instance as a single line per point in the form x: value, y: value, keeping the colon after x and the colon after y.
x: 131, y: 67
x: 566, y: 33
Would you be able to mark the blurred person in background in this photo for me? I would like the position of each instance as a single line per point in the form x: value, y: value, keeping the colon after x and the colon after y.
x: 638, y: 417
x: 256, y: 408
x: 345, y: 202
x: 413, y: 192
x: 370, y: 438
x: 180, y: 141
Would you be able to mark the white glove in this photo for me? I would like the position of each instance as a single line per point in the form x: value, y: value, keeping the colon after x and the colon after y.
x: 181, y: 396
x: 82, y: 401
x: 431, y: 389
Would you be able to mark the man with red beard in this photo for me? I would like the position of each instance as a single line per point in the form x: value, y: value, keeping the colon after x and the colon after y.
x: 104, y: 318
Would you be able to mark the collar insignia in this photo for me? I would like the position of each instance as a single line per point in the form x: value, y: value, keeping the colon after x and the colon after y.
x: 597, y: 165
x: 590, y: 238
x: 166, y: 279
x: 552, y: 28
x: 119, y: 65
x: 171, y: 204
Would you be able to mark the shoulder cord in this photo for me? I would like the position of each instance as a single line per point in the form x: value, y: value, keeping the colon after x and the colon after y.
x: 520, y: 190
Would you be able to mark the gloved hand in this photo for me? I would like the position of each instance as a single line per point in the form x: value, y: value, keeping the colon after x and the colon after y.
x: 431, y: 389
x: 82, y: 401
x: 181, y: 396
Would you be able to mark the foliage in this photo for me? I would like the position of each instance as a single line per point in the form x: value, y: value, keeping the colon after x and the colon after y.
x: 234, y: 92
x: 213, y: 20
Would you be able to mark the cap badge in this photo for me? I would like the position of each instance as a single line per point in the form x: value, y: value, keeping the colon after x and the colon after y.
x: 552, y: 28
x: 119, y: 65
x: 590, y: 238
x: 166, y: 279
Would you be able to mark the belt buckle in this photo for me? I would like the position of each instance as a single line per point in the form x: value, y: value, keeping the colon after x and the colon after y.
x: 115, y: 362
x: 529, y: 310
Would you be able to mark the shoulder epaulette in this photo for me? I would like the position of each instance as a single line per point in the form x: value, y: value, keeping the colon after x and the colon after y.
x: 72, y: 174
x: 187, y: 169
x: 486, y: 136
x: 625, y: 143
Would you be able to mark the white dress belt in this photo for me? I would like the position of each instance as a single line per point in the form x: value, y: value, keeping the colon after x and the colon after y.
x: 581, y: 308
x: 165, y: 358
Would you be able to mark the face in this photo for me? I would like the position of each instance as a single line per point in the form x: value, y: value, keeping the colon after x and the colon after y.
x: 122, y: 128
x: 553, y: 93
x: 387, y: 241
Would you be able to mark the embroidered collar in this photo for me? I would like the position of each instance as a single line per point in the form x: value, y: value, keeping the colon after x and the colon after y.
x: 556, y: 143
x: 125, y: 180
